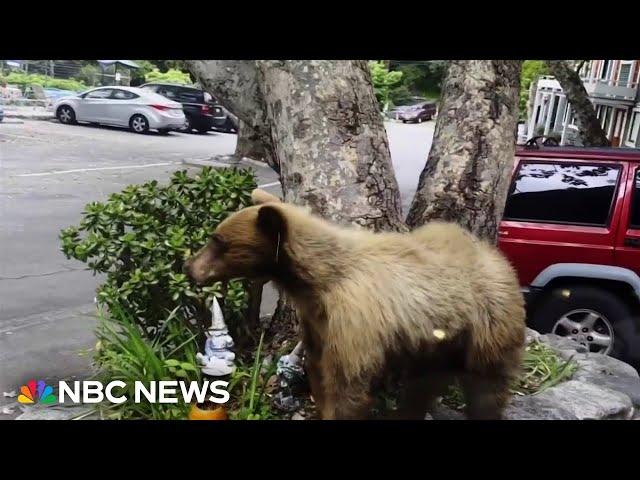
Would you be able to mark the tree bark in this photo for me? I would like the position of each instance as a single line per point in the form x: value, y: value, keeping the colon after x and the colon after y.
x: 249, y: 143
x: 234, y: 83
x: 591, y: 133
x: 329, y: 139
x: 467, y: 173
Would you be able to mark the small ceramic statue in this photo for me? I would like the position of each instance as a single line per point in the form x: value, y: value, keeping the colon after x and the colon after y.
x: 217, y: 360
x: 290, y: 371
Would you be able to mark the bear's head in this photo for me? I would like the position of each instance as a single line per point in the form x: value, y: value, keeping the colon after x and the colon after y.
x: 245, y: 245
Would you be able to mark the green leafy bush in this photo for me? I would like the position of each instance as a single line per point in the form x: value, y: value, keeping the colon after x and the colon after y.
x: 141, y: 236
x: 23, y: 80
x: 89, y: 75
x: 125, y: 354
x: 171, y: 76
x: 383, y: 81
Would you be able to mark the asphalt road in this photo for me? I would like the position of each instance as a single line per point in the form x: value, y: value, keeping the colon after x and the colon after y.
x: 48, y: 173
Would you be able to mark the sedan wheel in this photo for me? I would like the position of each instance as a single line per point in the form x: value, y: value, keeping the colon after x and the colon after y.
x: 66, y: 115
x: 139, y: 124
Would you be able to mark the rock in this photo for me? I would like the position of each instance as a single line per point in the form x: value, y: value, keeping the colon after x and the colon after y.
x: 608, y: 372
x: 442, y: 412
x: 572, y: 400
x: 531, y: 335
x: 297, y: 416
x: 564, y: 346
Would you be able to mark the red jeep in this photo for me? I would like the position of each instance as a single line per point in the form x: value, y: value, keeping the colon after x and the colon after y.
x: 571, y: 228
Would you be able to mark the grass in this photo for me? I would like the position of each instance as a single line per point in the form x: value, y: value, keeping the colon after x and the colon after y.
x: 248, y: 389
x: 125, y: 354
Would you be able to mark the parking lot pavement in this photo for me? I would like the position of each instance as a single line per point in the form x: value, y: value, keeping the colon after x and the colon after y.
x: 48, y: 173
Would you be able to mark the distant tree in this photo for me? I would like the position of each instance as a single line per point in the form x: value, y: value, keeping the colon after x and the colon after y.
x: 383, y: 81
x: 531, y: 71
x: 590, y: 130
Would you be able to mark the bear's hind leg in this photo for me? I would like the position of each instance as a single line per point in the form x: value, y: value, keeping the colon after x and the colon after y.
x: 486, y: 395
x: 421, y: 394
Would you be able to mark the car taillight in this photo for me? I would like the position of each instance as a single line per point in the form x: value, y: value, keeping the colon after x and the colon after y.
x: 205, y: 108
x: 161, y: 107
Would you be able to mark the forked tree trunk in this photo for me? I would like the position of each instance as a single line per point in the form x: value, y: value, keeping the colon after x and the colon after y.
x: 590, y: 131
x: 468, y: 169
x: 329, y: 138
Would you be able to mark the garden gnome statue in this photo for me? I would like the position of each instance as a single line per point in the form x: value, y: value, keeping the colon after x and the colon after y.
x: 217, y: 360
x: 290, y: 371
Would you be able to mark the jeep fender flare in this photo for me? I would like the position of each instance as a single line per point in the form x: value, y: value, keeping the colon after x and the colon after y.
x: 587, y: 270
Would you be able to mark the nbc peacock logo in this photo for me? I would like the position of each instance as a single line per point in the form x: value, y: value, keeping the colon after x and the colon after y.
x: 36, y: 392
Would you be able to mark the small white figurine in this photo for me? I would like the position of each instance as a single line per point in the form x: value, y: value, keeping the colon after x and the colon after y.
x: 217, y: 360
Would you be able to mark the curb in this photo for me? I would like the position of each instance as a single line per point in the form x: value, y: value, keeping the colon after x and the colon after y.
x: 223, y: 161
x: 28, y: 117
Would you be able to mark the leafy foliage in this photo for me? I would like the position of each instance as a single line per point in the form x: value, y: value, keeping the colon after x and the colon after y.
x: 170, y: 76
x: 531, y: 71
x: 141, y: 236
x: 23, y: 80
x: 383, y: 81
x: 248, y: 387
x: 126, y: 354
x: 420, y: 79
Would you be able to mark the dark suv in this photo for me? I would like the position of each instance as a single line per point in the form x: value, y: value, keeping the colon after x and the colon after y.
x: 571, y: 228
x: 201, y: 111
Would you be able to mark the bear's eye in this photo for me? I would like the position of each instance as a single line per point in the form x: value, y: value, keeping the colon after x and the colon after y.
x: 220, y: 244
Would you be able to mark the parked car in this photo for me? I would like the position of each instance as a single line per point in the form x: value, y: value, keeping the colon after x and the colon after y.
x: 416, y: 110
x: 56, y: 93
x: 138, y: 109
x: 571, y: 228
x: 202, y: 113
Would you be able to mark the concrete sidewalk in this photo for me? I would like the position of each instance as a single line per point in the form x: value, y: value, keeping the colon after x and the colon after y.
x: 28, y: 113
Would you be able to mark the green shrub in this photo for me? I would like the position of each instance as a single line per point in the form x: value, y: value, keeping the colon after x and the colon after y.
x: 171, y: 76
x: 89, y: 75
x: 125, y: 354
x: 23, y: 80
x: 141, y: 236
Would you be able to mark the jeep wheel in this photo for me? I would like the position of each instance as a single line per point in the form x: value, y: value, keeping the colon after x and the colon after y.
x: 594, y: 317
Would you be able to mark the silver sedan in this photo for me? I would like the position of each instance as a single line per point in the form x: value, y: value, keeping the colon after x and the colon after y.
x: 135, y: 108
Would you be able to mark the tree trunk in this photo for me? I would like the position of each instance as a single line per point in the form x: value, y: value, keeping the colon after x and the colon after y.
x: 234, y: 83
x: 249, y: 143
x: 468, y: 169
x: 320, y: 124
x: 329, y: 139
x: 591, y: 133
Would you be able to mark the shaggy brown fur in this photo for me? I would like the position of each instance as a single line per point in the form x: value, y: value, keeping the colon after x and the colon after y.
x: 436, y: 302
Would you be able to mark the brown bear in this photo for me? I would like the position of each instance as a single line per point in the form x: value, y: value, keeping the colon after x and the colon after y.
x: 437, y: 304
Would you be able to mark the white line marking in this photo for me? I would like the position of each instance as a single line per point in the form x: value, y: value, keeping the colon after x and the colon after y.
x: 80, y: 170
x: 267, y: 185
x: 24, y: 136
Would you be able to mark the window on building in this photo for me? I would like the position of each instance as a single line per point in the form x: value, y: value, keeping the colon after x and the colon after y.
x: 562, y: 193
x: 634, y: 126
x: 605, y: 69
x: 634, y: 219
x: 625, y: 72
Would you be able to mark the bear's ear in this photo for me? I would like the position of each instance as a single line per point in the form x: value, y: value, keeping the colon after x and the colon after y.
x: 271, y: 221
x: 258, y: 197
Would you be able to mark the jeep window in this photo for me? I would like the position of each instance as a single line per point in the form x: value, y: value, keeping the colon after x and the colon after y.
x: 634, y: 221
x: 562, y: 193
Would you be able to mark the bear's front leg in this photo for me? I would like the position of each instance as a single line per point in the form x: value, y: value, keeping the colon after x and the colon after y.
x: 314, y: 374
x: 346, y: 399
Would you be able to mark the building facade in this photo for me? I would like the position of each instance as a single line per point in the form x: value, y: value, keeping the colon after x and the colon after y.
x: 612, y: 86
